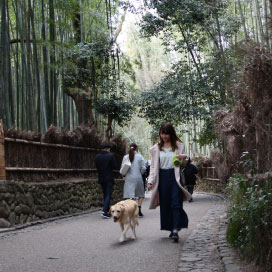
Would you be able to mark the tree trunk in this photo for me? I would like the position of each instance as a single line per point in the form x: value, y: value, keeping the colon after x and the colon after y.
x: 76, y: 23
x: 45, y: 70
x: 265, y: 9
x: 84, y: 110
x: 30, y: 98
x: 10, y: 88
x: 222, y: 58
x: 53, y: 76
x: 255, y: 32
x: 84, y: 105
x: 270, y: 23
x: 190, y: 51
x: 259, y: 20
x: 4, y: 67
x: 81, y: 21
x: 109, y: 133
x: 23, y: 71
x: 36, y: 69
x: 242, y: 19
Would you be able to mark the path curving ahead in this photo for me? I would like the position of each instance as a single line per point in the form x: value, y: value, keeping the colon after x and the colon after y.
x: 88, y: 243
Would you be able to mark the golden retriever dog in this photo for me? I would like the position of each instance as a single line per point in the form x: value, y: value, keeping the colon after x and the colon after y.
x: 126, y: 213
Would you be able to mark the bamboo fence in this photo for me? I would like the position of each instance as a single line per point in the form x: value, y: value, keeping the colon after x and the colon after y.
x: 36, y: 161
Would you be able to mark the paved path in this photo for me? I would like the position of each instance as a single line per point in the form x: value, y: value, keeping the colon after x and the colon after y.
x: 87, y: 243
x: 206, y: 248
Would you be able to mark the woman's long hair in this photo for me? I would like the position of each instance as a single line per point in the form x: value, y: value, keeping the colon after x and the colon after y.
x: 132, y: 147
x: 169, y: 130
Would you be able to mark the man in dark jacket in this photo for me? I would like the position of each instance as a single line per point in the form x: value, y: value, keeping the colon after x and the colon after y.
x: 190, y: 172
x: 105, y: 164
x: 146, y: 173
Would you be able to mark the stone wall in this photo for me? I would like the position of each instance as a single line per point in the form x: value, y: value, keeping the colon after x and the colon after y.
x: 24, y: 202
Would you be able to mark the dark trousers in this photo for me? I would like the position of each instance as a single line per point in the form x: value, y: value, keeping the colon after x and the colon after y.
x: 107, y: 189
x: 190, y: 189
x: 173, y: 217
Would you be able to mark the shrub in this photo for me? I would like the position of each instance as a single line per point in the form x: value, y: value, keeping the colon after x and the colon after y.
x: 250, y: 218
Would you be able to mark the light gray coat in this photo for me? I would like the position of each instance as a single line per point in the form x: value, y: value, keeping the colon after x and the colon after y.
x: 154, y: 175
x: 134, y: 186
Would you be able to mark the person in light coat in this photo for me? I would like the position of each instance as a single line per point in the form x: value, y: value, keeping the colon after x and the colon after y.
x: 164, y: 180
x: 134, y: 187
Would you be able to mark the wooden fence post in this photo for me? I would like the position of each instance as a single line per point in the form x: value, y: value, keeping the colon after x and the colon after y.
x: 2, y: 152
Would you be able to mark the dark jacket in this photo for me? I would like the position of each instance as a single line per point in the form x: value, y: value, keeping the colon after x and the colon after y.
x: 190, y: 172
x: 147, y: 171
x: 105, y: 163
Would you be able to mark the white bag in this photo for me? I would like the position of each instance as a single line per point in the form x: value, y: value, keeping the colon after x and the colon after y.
x: 125, y: 167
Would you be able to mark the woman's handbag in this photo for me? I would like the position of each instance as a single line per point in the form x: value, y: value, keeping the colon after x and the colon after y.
x: 125, y: 167
x: 182, y: 177
x: 181, y: 169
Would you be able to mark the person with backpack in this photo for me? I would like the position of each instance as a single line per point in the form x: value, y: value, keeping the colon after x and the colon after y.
x: 190, y: 172
x: 146, y: 174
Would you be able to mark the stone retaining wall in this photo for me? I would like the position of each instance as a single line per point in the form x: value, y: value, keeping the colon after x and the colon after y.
x: 22, y: 202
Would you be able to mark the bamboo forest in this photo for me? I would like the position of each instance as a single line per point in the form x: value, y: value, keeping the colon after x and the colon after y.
x: 119, y: 69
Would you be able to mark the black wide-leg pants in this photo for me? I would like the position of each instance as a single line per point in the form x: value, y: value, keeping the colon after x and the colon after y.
x: 173, y: 217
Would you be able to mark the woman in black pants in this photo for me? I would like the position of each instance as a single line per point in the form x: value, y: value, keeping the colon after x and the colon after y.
x: 164, y: 179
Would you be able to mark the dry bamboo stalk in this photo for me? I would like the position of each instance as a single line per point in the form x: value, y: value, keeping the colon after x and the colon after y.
x: 2, y: 152
x: 50, y: 145
x: 211, y: 179
x: 260, y: 176
x: 29, y: 169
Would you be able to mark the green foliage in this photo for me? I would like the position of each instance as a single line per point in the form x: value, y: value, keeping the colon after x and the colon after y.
x: 84, y: 64
x: 195, y: 87
x: 247, y: 163
x: 207, y: 135
x: 192, y: 16
x: 181, y: 97
x: 250, y: 217
x: 173, y: 12
x: 126, y: 70
x: 116, y: 108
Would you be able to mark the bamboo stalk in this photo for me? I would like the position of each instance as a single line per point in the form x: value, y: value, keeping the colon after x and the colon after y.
x: 2, y: 152
x: 50, y: 145
x: 266, y: 175
x: 242, y: 19
x: 211, y: 179
x: 30, y: 169
x: 259, y: 22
